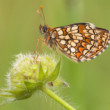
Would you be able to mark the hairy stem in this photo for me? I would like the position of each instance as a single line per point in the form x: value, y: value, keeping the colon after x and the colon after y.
x: 57, y: 98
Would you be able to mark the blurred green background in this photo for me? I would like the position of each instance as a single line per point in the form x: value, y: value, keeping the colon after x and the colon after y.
x: 19, y: 30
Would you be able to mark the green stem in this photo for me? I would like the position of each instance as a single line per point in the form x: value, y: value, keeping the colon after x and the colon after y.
x: 57, y: 98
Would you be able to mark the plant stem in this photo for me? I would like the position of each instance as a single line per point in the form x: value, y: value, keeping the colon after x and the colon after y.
x: 57, y: 98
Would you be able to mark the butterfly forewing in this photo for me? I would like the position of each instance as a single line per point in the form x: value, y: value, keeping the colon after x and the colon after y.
x: 81, y: 41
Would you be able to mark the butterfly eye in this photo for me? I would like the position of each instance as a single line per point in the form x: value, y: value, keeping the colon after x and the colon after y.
x: 44, y: 29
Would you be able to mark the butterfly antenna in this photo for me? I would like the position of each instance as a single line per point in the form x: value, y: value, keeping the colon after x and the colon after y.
x: 38, y: 12
x: 41, y: 7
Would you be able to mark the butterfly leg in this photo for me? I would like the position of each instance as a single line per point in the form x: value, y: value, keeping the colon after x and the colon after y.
x: 41, y: 49
x: 38, y: 44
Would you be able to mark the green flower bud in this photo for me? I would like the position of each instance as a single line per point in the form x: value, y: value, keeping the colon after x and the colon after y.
x: 29, y: 73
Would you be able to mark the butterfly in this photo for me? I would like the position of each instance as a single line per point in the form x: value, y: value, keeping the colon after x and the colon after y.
x: 79, y: 42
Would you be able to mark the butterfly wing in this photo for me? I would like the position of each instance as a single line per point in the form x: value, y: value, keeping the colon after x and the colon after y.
x: 103, y: 41
x: 82, y: 41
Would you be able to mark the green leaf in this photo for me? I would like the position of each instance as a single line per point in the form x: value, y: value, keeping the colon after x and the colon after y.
x: 30, y: 86
x: 46, y: 73
x: 58, y: 82
x: 6, y: 95
x: 54, y: 74
x: 41, y: 75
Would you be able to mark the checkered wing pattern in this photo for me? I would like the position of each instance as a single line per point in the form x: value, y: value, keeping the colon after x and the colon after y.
x: 82, y: 41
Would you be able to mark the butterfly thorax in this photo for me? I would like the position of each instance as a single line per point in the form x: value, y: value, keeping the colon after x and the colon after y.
x: 47, y: 32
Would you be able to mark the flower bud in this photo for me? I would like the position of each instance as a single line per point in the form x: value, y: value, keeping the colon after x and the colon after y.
x: 29, y: 73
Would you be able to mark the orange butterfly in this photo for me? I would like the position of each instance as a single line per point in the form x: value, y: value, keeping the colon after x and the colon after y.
x: 79, y: 42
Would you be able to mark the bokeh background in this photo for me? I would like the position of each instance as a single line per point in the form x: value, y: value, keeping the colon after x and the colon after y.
x: 19, y: 30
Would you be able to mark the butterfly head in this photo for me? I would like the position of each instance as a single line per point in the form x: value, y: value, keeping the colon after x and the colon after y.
x: 43, y: 29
